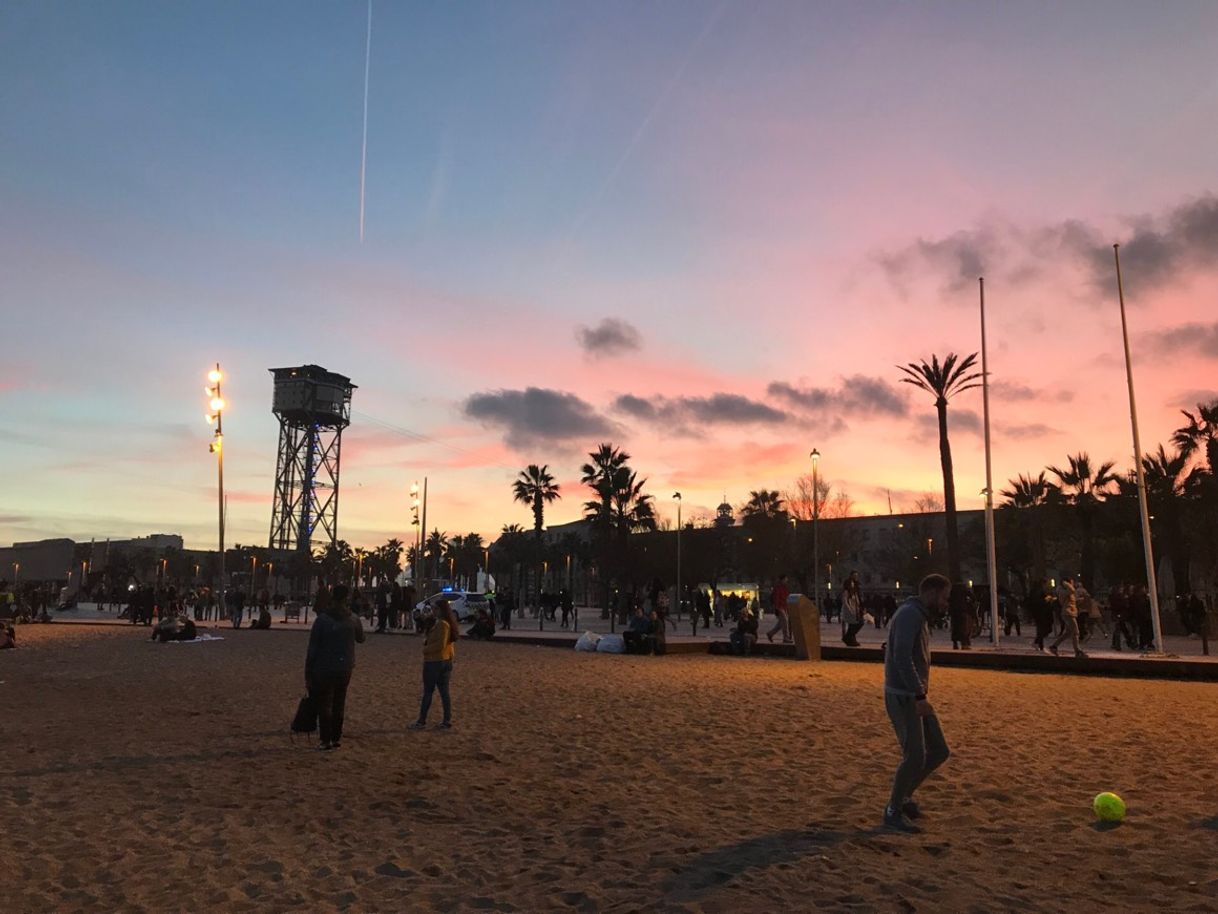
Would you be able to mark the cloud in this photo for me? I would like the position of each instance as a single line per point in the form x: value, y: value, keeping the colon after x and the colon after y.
x: 1201, y: 339
x: 537, y: 416
x: 1025, y: 431
x: 856, y: 395
x: 1188, y: 399
x: 682, y: 415
x: 957, y: 259
x: 1015, y: 392
x: 967, y: 421
x: 611, y: 337
x: 1161, y: 247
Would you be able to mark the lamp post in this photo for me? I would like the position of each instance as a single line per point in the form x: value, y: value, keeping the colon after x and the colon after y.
x: 418, y: 532
x: 215, y: 416
x: 16, y: 571
x: 1151, y: 584
x: 991, y: 560
x: 677, y: 497
x: 815, y: 455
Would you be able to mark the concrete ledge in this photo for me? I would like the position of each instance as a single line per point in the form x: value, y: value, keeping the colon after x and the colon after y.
x: 1136, y: 666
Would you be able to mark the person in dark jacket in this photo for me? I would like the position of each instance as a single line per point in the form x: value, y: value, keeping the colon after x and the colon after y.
x: 329, y: 662
x: 906, y: 685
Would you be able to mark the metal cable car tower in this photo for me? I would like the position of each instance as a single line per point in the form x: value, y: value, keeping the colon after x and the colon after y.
x: 313, y: 406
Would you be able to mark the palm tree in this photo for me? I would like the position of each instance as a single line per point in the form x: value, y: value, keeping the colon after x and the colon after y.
x: 435, y: 547
x: 763, y: 505
x: 943, y: 382
x: 535, y: 486
x: 1026, y: 491
x: 1200, y: 432
x: 1081, y: 484
x: 599, y: 475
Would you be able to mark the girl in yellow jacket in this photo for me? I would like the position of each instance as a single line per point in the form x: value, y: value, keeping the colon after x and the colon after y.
x: 438, y: 653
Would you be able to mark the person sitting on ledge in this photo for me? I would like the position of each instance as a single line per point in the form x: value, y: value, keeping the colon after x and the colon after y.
x: 744, y: 635
x: 8, y: 638
x: 264, y: 618
x: 483, y: 628
x: 639, y: 636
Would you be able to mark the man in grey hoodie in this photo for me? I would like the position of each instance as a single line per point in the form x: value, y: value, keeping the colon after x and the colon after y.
x: 906, y: 683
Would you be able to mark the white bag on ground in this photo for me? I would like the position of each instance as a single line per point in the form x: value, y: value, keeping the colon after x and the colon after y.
x: 587, y: 641
x: 611, y: 644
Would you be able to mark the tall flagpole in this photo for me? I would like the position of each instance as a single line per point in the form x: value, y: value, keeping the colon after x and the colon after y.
x: 990, y: 558
x: 1151, y: 583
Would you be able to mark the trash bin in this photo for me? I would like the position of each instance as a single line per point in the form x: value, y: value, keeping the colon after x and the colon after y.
x: 805, y: 625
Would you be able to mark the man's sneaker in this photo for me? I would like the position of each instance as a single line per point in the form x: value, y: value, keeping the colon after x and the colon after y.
x: 444, y: 725
x: 910, y: 810
x: 1053, y: 651
x: 1080, y: 654
x: 895, y: 821
x: 325, y: 747
x: 417, y: 725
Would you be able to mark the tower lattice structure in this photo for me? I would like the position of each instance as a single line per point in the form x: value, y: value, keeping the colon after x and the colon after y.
x: 313, y: 407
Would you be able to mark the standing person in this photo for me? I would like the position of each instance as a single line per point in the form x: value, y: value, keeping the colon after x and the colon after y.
x: 852, y: 610
x: 1010, y: 613
x: 1118, y: 605
x: 778, y: 604
x: 720, y: 609
x: 438, y: 654
x: 1139, y: 611
x: 906, y: 686
x: 1069, y: 604
x: 236, y: 607
x: 961, y: 618
x: 396, y: 605
x: 566, y: 606
x: 703, y: 602
x: 329, y: 662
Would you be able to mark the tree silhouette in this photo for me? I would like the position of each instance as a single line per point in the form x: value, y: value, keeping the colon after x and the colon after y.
x: 943, y: 382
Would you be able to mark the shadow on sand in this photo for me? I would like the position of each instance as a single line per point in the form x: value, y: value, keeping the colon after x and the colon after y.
x: 720, y: 866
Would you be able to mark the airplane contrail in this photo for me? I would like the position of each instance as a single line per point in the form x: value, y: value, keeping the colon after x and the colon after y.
x: 363, y: 160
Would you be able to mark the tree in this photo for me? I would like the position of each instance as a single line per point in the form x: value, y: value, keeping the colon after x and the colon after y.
x: 1026, y: 491
x: 829, y: 502
x: 619, y: 507
x: 385, y: 561
x: 599, y: 474
x: 335, y: 561
x: 944, y: 382
x: 1200, y: 434
x: 434, y: 548
x: 536, y: 487
x: 764, y: 505
x: 1081, y: 484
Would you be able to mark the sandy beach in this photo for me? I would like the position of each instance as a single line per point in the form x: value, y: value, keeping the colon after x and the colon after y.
x: 141, y: 777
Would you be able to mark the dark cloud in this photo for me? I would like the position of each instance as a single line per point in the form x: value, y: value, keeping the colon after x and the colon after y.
x: 1188, y: 399
x: 958, y: 259
x: 1015, y: 392
x: 857, y: 395
x: 536, y: 416
x: 1025, y: 431
x: 609, y: 338
x: 967, y: 421
x: 683, y: 415
x: 1160, y: 249
x: 1201, y: 339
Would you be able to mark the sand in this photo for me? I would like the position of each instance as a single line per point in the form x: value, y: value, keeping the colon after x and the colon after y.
x: 141, y: 777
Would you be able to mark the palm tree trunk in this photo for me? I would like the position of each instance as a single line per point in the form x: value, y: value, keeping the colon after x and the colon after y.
x: 949, y: 496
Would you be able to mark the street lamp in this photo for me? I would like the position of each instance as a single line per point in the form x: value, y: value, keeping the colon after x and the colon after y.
x: 815, y: 455
x: 215, y: 416
x: 16, y: 571
x: 677, y: 497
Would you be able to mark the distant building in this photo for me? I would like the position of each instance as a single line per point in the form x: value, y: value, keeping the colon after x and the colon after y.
x: 43, y: 560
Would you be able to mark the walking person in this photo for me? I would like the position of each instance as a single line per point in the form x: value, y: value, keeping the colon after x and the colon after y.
x: 852, y: 610
x: 906, y: 686
x: 329, y: 662
x: 438, y: 654
x: 1069, y: 605
x: 1118, y: 605
x: 778, y: 603
x: 961, y: 618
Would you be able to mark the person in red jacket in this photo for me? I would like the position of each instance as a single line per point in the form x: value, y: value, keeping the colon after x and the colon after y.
x: 778, y: 603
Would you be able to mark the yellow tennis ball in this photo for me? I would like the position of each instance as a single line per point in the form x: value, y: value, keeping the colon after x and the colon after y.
x: 1109, y: 807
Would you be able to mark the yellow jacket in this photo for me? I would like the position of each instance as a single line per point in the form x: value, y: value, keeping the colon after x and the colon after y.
x: 438, y: 644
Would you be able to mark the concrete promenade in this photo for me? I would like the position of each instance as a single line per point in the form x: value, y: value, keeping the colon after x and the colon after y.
x: 1183, y: 658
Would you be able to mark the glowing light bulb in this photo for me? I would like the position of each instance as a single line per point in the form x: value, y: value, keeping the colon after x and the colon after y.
x: 213, y: 376
x: 217, y: 404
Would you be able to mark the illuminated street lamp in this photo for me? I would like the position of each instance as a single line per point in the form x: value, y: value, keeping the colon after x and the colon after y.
x: 16, y: 571
x: 215, y: 416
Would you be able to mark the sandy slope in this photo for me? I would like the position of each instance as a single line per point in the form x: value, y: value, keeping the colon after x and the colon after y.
x: 140, y: 777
